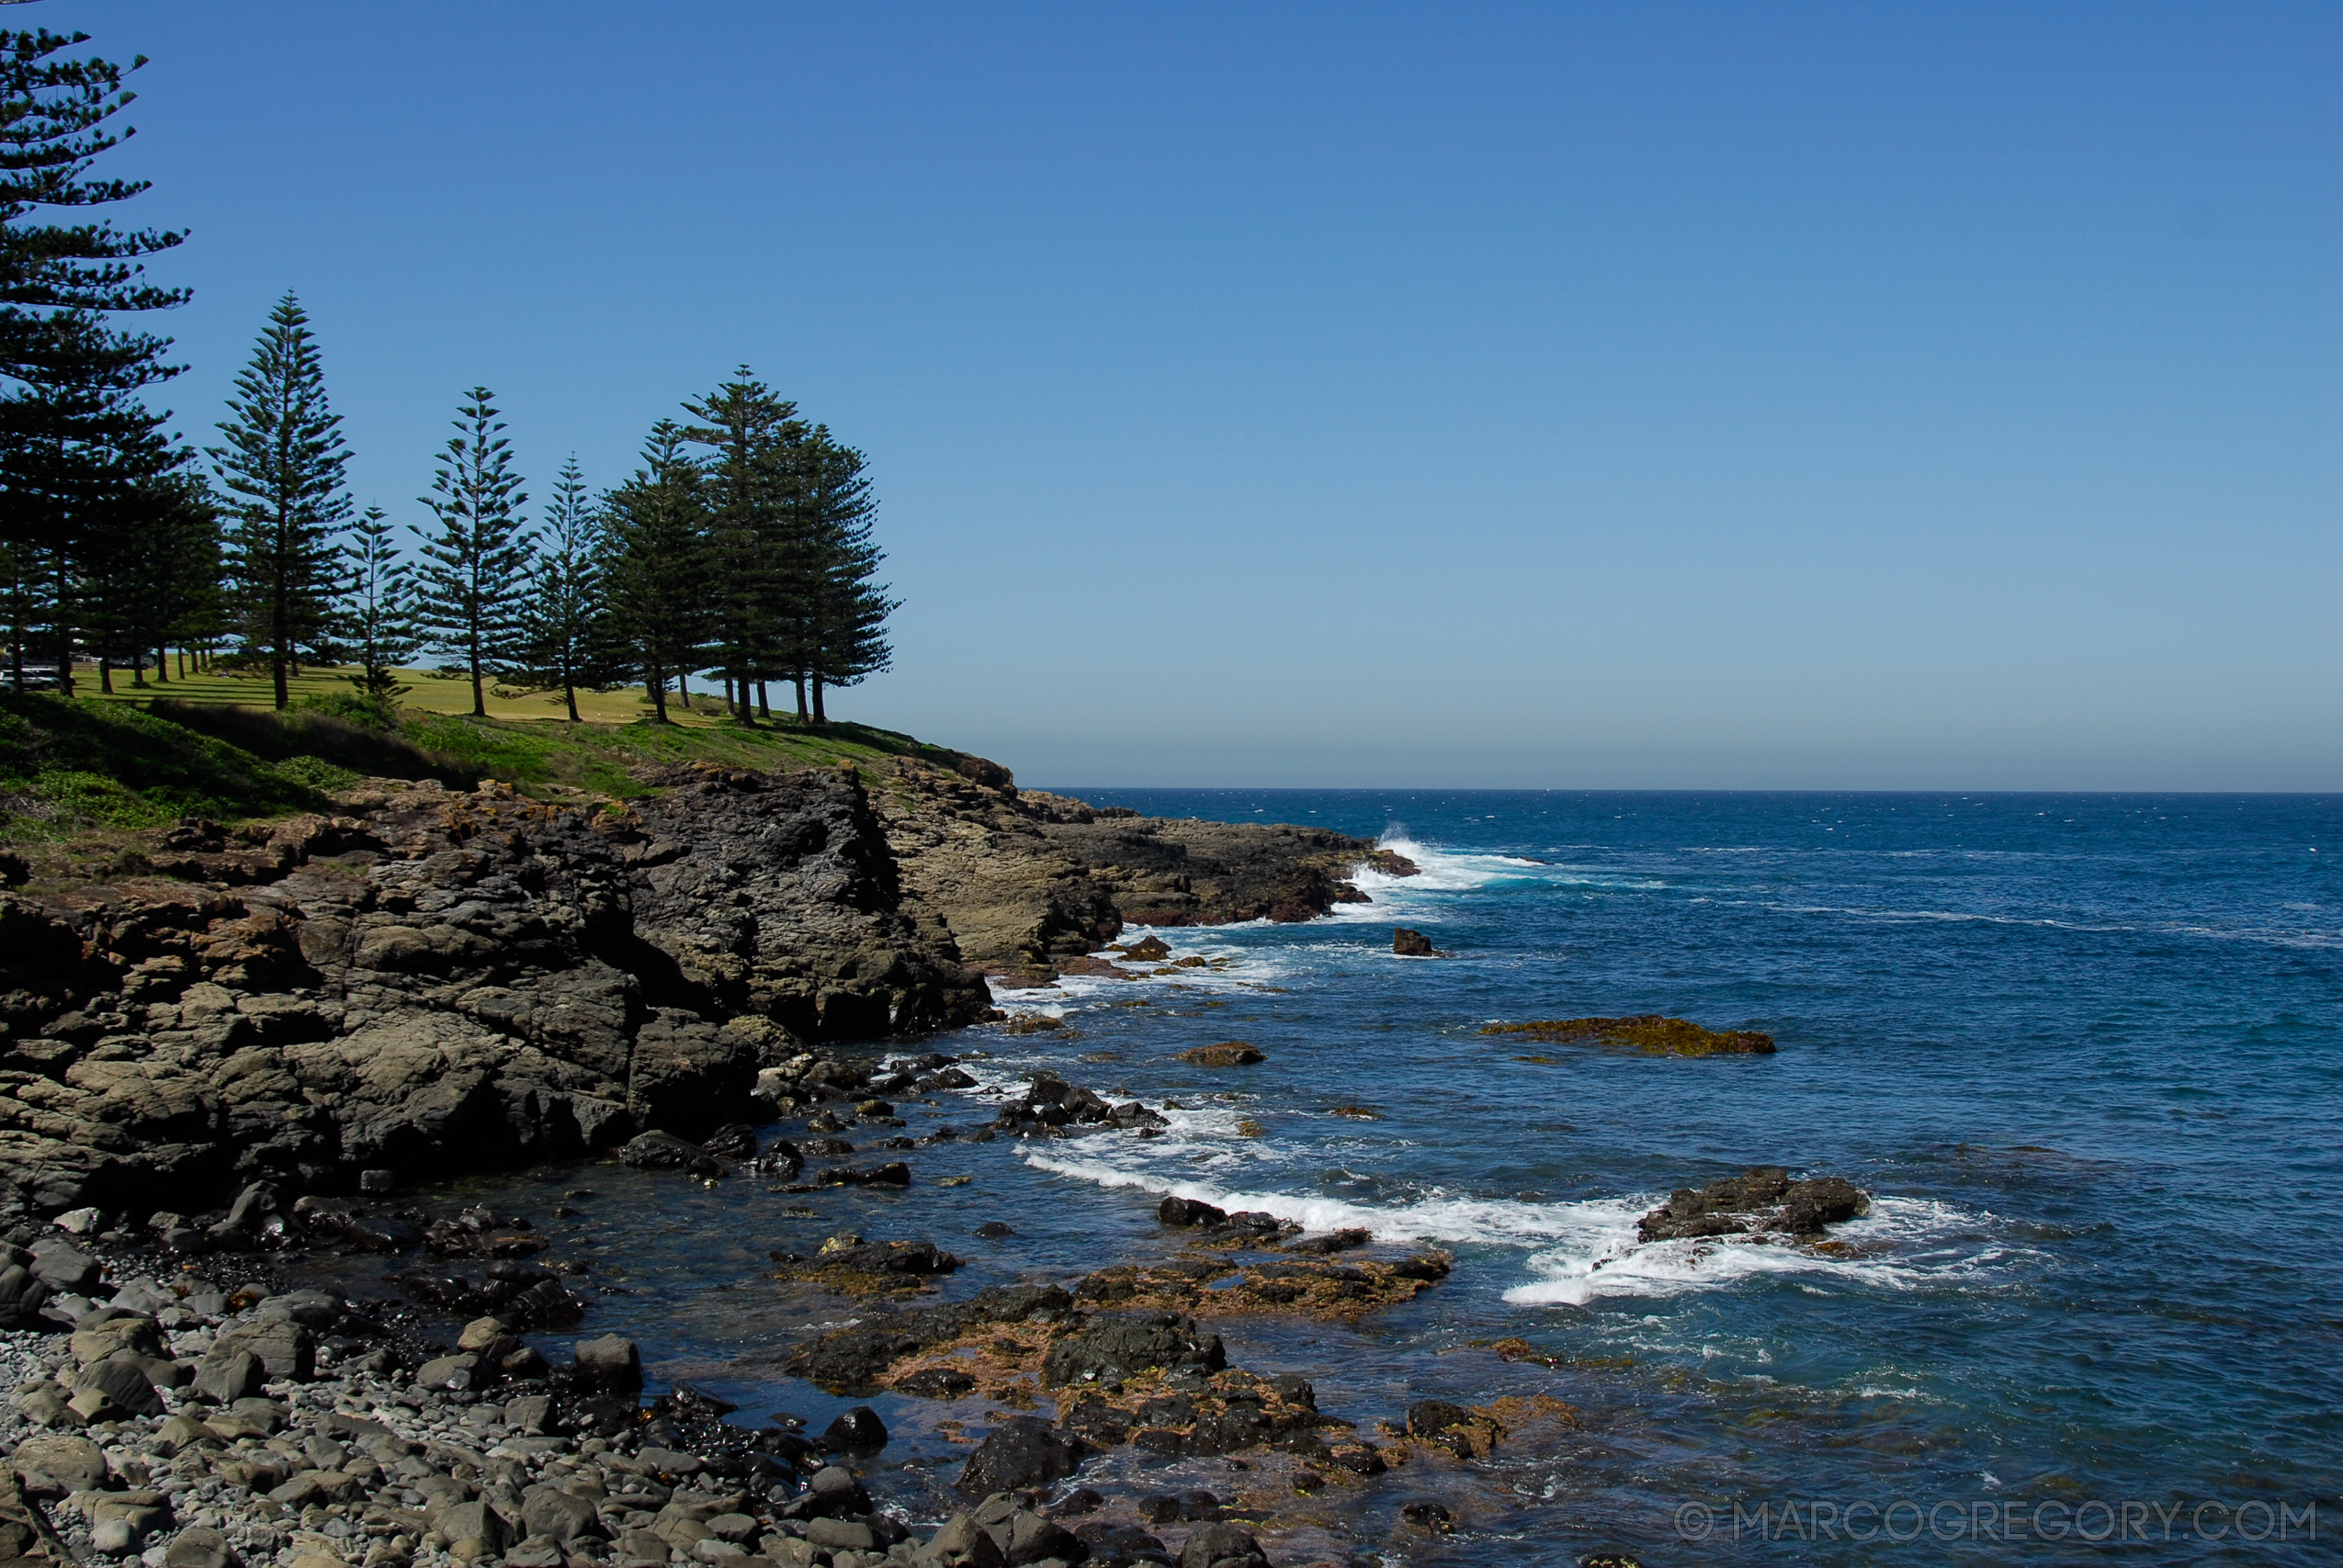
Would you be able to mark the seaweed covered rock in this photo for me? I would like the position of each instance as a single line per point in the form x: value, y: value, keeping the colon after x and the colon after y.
x: 1647, y: 1032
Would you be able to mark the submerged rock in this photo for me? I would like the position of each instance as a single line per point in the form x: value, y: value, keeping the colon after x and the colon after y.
x: 1227, y: 1054
x: 1647, y: 1032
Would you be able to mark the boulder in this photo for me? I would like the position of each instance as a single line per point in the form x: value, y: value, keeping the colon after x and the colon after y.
x: 227, y: 1379
x: 1187, y: 1211
x: 59, y: 1466
x: 283, y: 1347
x: 123, y: 1381
x: 1410, y: 943
x: 613, y: 1363
x: 1021, y: 1451
x: 856, y: 1431
x: 960, y: 1543
x: 1216, y: 1543
x: 198, y: 1546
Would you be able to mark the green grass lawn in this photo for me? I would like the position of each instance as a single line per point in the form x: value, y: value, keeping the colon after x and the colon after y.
x: 214, y: 746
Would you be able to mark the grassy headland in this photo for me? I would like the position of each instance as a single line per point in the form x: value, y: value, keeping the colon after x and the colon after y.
x: 98, y: 768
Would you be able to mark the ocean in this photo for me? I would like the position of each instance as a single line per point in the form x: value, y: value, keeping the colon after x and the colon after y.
x: 2085, y: 1053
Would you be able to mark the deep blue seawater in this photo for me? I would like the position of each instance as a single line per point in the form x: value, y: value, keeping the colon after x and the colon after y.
x: 2085, y: 1051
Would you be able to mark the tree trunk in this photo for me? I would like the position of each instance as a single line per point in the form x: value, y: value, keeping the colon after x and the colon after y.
x: 138, y: 668
x: 278, y: 637
x: 479, y: 704
x: 570, y: 695
x: 106, y: 673
x: 764, y: 708
x: 800, y: 680
x: 819, y: 716
x: 654, y: 685
x: 683, y: 688
x: 162, y: 665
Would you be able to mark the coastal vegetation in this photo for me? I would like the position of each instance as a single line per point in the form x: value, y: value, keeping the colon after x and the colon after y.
x: 86, y: 770
x: 743, y: 545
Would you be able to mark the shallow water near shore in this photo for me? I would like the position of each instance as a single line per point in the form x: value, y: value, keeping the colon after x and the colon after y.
x: 2085, y: 1052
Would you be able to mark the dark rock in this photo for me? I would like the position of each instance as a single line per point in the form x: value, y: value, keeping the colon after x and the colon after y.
x: 1215, y: 1543
x: 664, y: 1151
x: 856, y: 1431
x: 1189, y: 1212
x: 1333, y: 1241
x: 1760, y: 1200
x: 734, y: 1140
x: 1023, y: 1451
x: 1227, y: 1054
x: 1430, y: 1417
x: 1109, y: 1349
x: 993, y: 1230
x: 1408, y: 944
x: 936, y: 1383
x: 1428, y: 1515
x: 1117, y: 1546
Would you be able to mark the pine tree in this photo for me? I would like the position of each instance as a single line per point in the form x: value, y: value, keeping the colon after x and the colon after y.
x: 75, y: 441
x: 846, y: 611
x: 659, y: 568
x: 377, y: 611
x: 751, y: 527
x: 150, y: 568
x: 565, y: 626
x: 475, y: 564
x: 282, y: 467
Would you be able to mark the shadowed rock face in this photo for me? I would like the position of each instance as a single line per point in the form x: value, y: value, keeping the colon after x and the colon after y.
x: 440, y: 980
x: 1028, y: 880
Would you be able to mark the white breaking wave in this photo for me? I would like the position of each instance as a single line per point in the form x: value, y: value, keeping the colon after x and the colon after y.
x: 1903, y: 1243
x: 1587, y: 1250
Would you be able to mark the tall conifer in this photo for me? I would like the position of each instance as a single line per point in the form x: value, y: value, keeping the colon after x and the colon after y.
x: 563, y: 625
x: 752, y: 527
x: 77, y: 443
x: 377, y: 609
x: 659, y: 571
x: 475, y: 563
x: 282, y: 467
x: 846, y: 610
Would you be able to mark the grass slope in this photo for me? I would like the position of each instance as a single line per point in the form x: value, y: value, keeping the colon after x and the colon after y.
x: 111, y: 765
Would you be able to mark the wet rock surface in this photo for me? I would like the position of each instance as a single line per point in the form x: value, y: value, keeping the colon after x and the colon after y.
x: 1761, y: 1201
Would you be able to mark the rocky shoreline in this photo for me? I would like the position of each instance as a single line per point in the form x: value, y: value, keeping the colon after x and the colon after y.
x: 177, y: 1403
x: 235, y: 1057
x: 430, y: 980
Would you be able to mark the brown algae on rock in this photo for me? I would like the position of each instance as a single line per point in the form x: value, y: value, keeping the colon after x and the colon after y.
x: 1647, y: 1032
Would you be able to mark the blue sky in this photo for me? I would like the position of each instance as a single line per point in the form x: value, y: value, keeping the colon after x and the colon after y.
x: 1626, y: 395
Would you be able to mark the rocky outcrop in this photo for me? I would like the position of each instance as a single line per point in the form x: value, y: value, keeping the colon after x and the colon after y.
x: 1760, y: 1200
x: 1647, y: 1032
x: 436, y: 979
x: 1029, y: 881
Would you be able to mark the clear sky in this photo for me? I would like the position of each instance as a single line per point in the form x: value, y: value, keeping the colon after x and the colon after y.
x: 1705, y: 396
